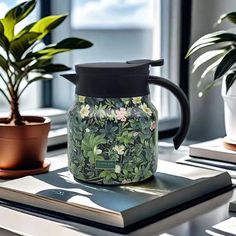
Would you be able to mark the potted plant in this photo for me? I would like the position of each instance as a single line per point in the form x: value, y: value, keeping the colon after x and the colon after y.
x: 23, y: 61
x: 220, y: 58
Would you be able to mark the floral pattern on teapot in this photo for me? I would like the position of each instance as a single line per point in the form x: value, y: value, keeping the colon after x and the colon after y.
x: 112, y: 140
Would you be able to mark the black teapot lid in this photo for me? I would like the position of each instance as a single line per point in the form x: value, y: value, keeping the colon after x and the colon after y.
x: 114, y: 80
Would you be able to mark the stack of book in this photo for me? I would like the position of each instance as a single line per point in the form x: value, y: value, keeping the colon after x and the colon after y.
x: 212, y: 155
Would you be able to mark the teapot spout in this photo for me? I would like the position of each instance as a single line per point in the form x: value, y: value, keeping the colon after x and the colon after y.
x: 71, y: 77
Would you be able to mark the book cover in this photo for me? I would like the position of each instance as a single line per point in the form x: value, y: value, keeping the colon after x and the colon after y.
x: 116, y: 206
x: 212, y: 149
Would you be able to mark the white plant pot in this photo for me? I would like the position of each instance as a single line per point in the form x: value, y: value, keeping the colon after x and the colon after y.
x: 230, y: 110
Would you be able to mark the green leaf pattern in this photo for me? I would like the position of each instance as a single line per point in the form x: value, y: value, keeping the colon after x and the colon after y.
x: 112, y: 130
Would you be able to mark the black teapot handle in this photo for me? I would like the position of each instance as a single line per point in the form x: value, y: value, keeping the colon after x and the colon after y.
x: 184, y: 104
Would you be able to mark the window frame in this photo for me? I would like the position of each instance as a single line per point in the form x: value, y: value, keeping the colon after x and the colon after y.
x: 46, y: 86
x: 177, y: 18
x: 185, y: 36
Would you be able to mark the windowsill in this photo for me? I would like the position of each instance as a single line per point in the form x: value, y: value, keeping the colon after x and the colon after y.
x: 58, y: 134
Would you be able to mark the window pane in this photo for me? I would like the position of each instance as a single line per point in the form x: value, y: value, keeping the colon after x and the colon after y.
x: 116, y: 14
x: 31, y: 97
x: 120, y: 30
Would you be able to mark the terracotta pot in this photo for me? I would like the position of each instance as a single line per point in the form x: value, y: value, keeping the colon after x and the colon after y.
x: 24, y: 147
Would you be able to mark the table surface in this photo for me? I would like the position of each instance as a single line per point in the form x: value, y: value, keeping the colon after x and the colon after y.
x: 193, y: 221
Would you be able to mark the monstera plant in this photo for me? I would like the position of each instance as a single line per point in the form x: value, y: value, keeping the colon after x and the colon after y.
x: 25, y: 59
x: 220, y: 56
x: 220, y: 59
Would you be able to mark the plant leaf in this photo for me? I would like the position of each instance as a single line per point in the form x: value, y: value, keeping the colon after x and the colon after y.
x: 230, y: 78
x: 214, y: 34
x: 46, y: 24
x: 74, y: 43
x: 23, y: 63
x: 63, y: 46
x: 206, y: 57
x: 1, y: 28
x: 22, y: 10
x: 204, y: 40
x: 15, y: 15
x: 46, y: 57
x: 211, y: 39
x: 8, y: 25
x: 66, y: 45
x: 49, y: 51
x: 24, y: 30
x: 228, y: 60
x: 4, y: 43
x: 211, y: 68
x: 39, y: 62
x: 3, y: 63
x: 229, y: 16
x: 19, y: 45
x: 52, y: 68
x: 200, y: 46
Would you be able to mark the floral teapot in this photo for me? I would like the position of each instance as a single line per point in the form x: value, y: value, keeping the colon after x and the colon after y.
x: 113, y: 126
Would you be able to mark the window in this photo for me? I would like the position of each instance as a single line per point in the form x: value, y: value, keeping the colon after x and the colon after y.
x: 121, y: 30
x: 34, y: 91
x: 103, y: 14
